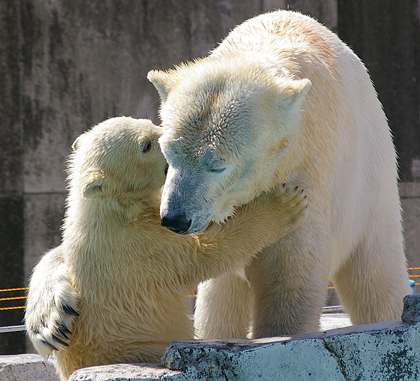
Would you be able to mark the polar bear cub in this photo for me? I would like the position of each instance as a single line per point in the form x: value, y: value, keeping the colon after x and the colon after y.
x: 283, y: 100
x: 114, y: 290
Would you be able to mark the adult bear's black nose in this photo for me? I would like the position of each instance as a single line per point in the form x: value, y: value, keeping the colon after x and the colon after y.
x: 178, y: 223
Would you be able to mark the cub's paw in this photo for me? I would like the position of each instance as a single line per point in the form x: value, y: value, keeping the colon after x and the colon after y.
x: 292, y: 205
x: 50, y: 313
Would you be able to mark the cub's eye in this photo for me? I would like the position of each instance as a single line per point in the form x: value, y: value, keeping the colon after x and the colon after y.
x: 147, y: 146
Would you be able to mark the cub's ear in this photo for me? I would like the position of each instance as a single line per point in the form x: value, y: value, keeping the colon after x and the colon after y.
x: 76, y: 144
x: 163, y: 81
x: 93, y: 188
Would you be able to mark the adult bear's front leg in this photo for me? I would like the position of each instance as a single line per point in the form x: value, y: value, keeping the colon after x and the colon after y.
x: 289, y: 285
x: 223, y: 307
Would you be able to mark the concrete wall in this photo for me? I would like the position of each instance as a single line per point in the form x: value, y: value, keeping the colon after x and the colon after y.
x: 410, y: 201
x: 385, y: 34
x: 65, y: 66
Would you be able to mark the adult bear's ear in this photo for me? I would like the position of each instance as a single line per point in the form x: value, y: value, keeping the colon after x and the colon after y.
x: 163, y: 81
x: 293, y: 93
x: 93, y: 188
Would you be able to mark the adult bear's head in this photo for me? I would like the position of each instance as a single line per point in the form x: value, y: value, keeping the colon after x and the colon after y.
x: 227, y: 126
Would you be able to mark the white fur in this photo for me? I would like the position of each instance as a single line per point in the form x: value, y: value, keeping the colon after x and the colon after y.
x: 52, y: 304
x: 126, y: 275
x: 282, y: 99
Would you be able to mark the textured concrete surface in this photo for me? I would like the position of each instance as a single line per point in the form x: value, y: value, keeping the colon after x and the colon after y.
x: 410, y: 202
x: 386, y: 36
x: 411, y: 311
x: 26, y: 367
x: 382, y: 351
x: 128, y: 372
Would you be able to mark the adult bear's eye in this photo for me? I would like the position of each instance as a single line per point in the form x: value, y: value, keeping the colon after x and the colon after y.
x: 217, y: 170
x: 217, y: 166
x: 147, y: 146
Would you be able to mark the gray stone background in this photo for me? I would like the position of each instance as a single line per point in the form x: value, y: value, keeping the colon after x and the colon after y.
x: 67, y: 65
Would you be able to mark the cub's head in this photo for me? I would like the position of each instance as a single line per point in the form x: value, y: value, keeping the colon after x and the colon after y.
x: 118, y: 159
x: 227, y: 129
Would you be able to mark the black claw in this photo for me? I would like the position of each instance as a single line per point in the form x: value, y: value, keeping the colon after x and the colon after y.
x: 44, y: 321
x: 49, y: 345
x: 59, y: 341
x: 63, y: 330
x: 69, y: 310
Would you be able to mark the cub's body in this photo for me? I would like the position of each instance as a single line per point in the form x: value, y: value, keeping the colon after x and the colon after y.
x: 114, y: 290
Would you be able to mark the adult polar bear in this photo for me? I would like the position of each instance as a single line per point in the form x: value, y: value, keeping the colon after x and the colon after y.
x: 283, y: 100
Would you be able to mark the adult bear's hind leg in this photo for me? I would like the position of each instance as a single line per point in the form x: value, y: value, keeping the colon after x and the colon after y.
x: 372, y: 283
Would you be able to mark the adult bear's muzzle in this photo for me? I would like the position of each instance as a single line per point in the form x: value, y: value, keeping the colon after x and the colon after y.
x: 177, y: 222
x: 185, y: 208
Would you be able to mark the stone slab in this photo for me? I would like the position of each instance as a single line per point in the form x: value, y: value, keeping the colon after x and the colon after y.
x: 388, y: 350
x: 411, y: 312
x: 27, y: 367
x: 383, y: 351
x: 127, y: 372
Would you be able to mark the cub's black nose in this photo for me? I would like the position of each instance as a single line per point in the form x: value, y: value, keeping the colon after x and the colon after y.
x: 178, y: 223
